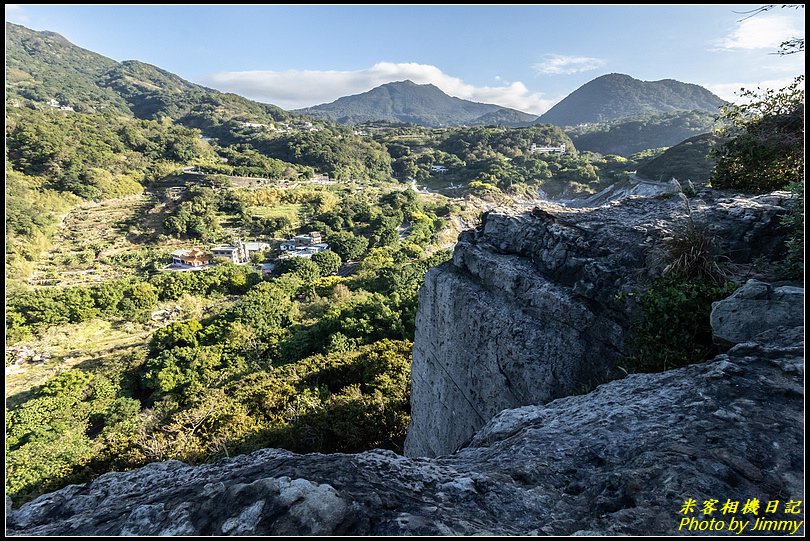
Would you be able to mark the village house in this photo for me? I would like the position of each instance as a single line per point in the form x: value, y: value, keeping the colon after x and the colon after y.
x: 314, y: 237
x: 438, y: 169
x: 547, y: 149
x: 194, y: 258
x: 234, y: 253
x: 308, y: 251
x: 253, y: 248
x: 241, y: 253
x: 304, y: 245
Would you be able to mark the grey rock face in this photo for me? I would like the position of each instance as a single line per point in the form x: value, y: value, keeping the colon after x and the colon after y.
x: 619, y: 460
x: 754, y: 308
x: 527, y: 311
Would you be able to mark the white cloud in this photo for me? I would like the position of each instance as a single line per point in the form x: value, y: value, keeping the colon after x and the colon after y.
x: 15, y: 14
x: 761, y: 32
x: 558, y: 64
x: 729, y: 91
x: 293, y: 89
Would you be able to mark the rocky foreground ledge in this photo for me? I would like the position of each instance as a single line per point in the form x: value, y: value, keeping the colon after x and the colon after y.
x: 619, y: 460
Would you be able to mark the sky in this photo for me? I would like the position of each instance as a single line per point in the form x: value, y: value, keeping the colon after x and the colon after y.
x: 524, y: 57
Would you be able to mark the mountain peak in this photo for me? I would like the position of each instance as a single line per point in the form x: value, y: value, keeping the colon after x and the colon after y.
x: 616, y: 95
x: 409, y: 102
x: 615, y: 76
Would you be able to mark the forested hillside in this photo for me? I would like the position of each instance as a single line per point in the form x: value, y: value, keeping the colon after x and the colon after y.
x: 690, y: 160
x: 626, y: 137
x: 43, y: 65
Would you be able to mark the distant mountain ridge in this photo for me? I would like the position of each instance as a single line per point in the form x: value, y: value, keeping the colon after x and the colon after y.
x: 426, y: 105
x: 41, y: 66
x: 617, y: 96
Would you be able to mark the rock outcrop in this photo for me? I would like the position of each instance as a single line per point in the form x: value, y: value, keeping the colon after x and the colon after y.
x: 754, y: 308
x: 619, y: 460
x: 528, y: 309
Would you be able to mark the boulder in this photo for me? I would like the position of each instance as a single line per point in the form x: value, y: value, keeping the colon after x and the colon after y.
x: 755, y: 308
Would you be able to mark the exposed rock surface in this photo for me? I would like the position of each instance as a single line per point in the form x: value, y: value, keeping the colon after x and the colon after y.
x: 620, y: 460
x: 527, y: 311
x: 634, y: 186
x: 754, y: 308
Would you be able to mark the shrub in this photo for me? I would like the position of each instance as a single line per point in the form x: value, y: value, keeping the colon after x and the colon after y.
x: 673, y: 329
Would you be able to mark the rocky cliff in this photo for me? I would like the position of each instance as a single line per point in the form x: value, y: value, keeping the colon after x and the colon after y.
x: 527, y: 310
x: 619, y: 460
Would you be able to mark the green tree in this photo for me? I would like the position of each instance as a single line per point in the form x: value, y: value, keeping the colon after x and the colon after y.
x: 347, y: 245
x: 184, y: 371
x: 143, y: 295
x: 265, y: 308
x: 304, y: 268
x: 175, y: 334
x: 764, y: 141
x: 328, y: 262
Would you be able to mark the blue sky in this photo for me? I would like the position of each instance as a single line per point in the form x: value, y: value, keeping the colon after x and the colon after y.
x: 526, y: 57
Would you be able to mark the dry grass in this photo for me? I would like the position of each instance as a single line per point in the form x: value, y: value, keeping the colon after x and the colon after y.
x: 89, y: 343
x: 691, y: 251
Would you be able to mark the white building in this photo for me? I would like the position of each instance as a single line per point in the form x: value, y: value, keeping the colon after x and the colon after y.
x: 241, y: 253
x: 307, y: 251
x: 298, y: 241
x: 438, y: 169
x: 288, y: 245
x: 234, y: 253
x: 252, y: 248
x: 548, y: 149
x: 304, y: 245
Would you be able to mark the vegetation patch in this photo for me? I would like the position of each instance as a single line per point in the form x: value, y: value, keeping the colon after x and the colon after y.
x: 673, y: 327
x: 288, y: 213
